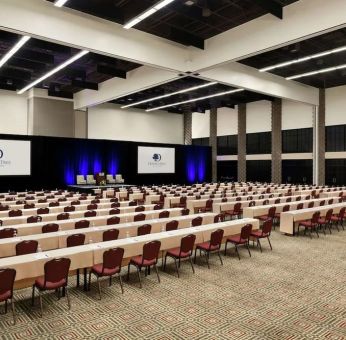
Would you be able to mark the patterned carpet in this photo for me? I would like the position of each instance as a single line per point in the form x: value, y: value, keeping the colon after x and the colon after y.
x: 297, y: 291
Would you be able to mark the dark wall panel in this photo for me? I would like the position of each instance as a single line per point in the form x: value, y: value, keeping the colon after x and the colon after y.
x: 227, y: 145
x: 336, y: 171
x: 55, y: 162
x: 201, y: 141
x: 297, y: 140
x: 258, y: 171
x: 335, y: 138
x: 258, y: 143
x: 227, y: 170
x: 297, y: 171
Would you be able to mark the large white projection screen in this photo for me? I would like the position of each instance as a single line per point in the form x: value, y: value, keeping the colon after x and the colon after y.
x: 15, y: 158
x: 155, y: 160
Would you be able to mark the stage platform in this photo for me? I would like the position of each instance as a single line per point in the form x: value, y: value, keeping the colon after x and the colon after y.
x: 91, y: 188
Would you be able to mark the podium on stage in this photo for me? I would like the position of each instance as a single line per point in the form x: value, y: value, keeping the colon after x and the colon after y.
x: 100, y: 178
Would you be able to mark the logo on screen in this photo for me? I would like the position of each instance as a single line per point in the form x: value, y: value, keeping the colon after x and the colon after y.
x: 1, y: 153
x: 156, y: 157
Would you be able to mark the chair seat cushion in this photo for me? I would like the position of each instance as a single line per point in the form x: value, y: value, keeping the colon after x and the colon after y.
x: 335, y: 218
x: 137, y: 260
x: 307, y: 224
x: 236, y: 239
x: 322, y: 220
x: 39, y: 283
x: 258, y: 234
x: 97, y: 269
x: 5, y: 296
x: 231, y: 212
x: 263, y: 217
x: 205, y: 246
x: 176, y: 252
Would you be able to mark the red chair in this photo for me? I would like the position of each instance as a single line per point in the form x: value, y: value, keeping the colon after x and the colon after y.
x: 337, y: 219
x: 235, y: 212
x: 164, y: 214
x: 172, y: 225
x: 114, y: 212
x: 34, y: 219
x: 325, y: 222
x: 208, y: 206
x: 264, y: 233
x: 183, y: 252
x: 140, y: 208
x: 219, y: 218
x: 82, y: 224
x: 277, y: 201
x: 197, y: 221
x: 242, y: 239
x: 149, y: 258
x: 55, y: 277
x: 158, y: 206
x: 63, y: 216
x: 75, y: 240
x: 54, y: 204
x: 90, y: 213
x: 211, y: 246
x: 185, y: 212
x: 139, y: 217
x: 70, y: 208
x: 278, y: 215
x: 42, y: 211
x: 322, y: 203
x: 252, y: 204
x: 92, y: 206
x: 144, y: 229
x: 4, y: 207
x: 113, y: 220
x: 95, y: 201
x: 115, y: 205
x: 50, y: 228
x: 300, y: 206
x: 8, y: 233
x: 29, y: 206
x: 26, y: 247
x: 271, y: 214
x: 75, y: 202
x: 311, y: 205
x: 7, y: 278
x: 265, y: 202
x: 132, y: 203
x: 289, y: 199
x: 111, y: 265
x: 110, y: 235
x: 310, y: 224
x: 15, y: 213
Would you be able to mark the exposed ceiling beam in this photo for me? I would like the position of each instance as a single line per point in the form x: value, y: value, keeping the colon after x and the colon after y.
x: 137, y: 80
x: 271, y: 6
x: 242, y: 76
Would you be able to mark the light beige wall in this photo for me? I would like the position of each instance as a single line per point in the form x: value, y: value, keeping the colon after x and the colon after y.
x: 53, y: 117
x: 80, y: 124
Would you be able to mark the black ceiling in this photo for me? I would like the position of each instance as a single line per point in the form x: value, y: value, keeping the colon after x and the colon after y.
x: 37, y: 57
x: 179, y: 22
x: 305, y: 48
x: 229, y: 100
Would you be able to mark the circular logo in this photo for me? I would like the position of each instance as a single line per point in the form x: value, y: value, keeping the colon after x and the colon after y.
x: 156, y: 157
x: 1, y: 153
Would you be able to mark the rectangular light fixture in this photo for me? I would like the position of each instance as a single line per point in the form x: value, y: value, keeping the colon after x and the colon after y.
x: 300, y: 60
x: 14, y: 50
x: 60, y: 3
x: 196, y: 99
x: 170, y: 94
x: 147, y: 13
x: 55, y: 70
x: 324, y: 70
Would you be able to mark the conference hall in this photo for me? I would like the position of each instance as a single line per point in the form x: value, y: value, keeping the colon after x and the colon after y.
x: 173, y: 169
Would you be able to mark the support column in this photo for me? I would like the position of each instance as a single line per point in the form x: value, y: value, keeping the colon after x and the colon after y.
x: 321, y: 125
x: 213, y: 142
x: 242, y: 142
x: 187, y: 128
x: 276, y: 118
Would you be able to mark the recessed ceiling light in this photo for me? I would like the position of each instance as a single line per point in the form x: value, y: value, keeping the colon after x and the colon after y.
x: 13, y: 50
x: 300, y: 60
x: 195, y: 99
x: 55, y: 70
x: 324, y: 70
x: 60, y: 3
x: 189, y: 3
x: 147, y: 13
x: 170, y: 94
